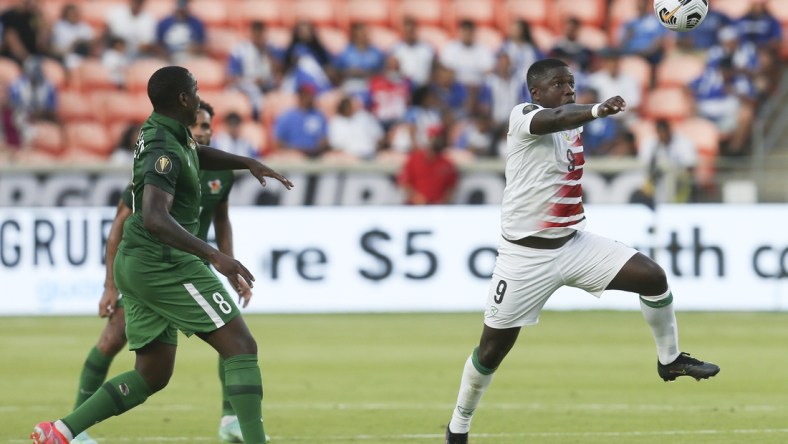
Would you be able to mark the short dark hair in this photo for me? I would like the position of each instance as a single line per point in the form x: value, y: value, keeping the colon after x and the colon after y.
x: 540, y: 68
x: 257, y: 25
x: 166, y: 84
x: 208, y: 108
x: 233, y: 118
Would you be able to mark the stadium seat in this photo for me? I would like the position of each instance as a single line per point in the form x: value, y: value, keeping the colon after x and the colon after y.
x: 642, y: 129
x: 679, y: 69
x: 9, y: 70
x: 779, y: 10
x: 95, y: 12
x: 212, y: 13
x: 703, y: 132
x: 270, y: 12
x: 226, y: 101
x: 54, y: 72
x: 121, y: 106
x: 255, y: 133
x: 138, y: 73
x: 534, y: 12
x: 275, y: 103
x: 88, y: 136
x: 52, y: 10
x: 334, y: 39
x: 734, y: 8
x: 481, y: 12
x: 621, y: 11
x: 220, y: 42
x: 435, y: 36
x: 73, y: 106
x: 279, y: 36
x: 425, y: 12
x: 210, y: 73
x: 670, y: 103
x: 47, y: 137
x: 589, y: 12
x: 593, y: 37
x: 638, y: 68
x: 544, y: 38
x: 92, y: 75
x: 327, y: 101
x: 490, y: 37
x: 318, y: 12
x: 371, y: 12
x: 382, y: 37
x: 159, y: 8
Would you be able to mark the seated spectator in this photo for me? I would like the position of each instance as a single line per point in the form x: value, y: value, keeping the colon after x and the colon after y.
x: 135, y: 26
x: 72, y: 38
x: 625, y: 145
x: 423, y: 115
x: 180, y: 35
x: 231, y: 140
x: 254, y: 66
x: 521, y: 48
x: 571, y: 46
x: 428, y: 176
x: 669, y: 150
x: 705, y: 35
x: 304, y: 41
x: 478, y: 135
x: 32, y: 94
x: 469, y: 59
x: 743, y: 54
x: 354, y: 131
x: 453, y: 97
x: 304, y: 128
x: 359, y: 61
x: 644, y: 35
x: 599, y: 135
x: 501, y: 91
x: 23, y: 31
x: 727, y: 99
x: 760, y: 27
x: 769, y: 73
x: 415, y: 56
x: 116, y: 59
x: 12, y: 124
x: 609, y: 81
x: 389, y: 94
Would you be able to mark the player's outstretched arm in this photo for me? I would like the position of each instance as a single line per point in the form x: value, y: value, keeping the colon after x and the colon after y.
x: 156, y: 205
x: 572, y: 115
x: 110, y: 296
x: 213, y: 159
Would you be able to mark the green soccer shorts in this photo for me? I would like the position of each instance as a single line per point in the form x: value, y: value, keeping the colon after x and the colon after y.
x: 161, y: 298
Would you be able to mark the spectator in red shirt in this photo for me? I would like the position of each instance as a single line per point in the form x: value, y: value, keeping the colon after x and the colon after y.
x: 429, y: 176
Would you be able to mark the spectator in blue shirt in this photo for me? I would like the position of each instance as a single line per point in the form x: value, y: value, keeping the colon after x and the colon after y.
x: 181, y: 34
x: 302, y: 129
x: 254, y: 66
x: 644, y: 35
x: 599, y: 135
x: 705, y: 35
x: 304, y: 40
x: 760, y: 27
x: 31, y: 94
x: 359, y: 61
x: 743, y: 54
x: 453, y: 97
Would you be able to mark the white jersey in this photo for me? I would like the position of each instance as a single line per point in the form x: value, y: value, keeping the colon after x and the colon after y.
x: 543, y: 193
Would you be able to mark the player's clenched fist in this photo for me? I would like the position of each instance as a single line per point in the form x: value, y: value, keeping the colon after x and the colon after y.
x: 613, y: 105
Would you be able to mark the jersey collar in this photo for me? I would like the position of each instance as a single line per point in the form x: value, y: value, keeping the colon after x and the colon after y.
x: 177, y: 129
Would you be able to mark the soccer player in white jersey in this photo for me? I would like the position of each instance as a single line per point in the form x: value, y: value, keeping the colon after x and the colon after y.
x: 544, y: 247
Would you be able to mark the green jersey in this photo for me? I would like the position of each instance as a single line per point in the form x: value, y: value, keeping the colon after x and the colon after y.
x: 216, y: 186
x: 166, y: 157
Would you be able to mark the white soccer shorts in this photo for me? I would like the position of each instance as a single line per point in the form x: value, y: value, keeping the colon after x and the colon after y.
x: 524, y: 278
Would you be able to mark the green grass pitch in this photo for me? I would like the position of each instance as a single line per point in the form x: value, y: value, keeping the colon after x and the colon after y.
x: 577, y: 377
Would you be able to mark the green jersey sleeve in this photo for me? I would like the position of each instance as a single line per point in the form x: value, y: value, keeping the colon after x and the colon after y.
x: 161, y: 169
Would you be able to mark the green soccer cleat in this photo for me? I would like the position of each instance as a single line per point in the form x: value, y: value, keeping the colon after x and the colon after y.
x: 686, y: 365
x: 83, y: 438
x: 232, y: 433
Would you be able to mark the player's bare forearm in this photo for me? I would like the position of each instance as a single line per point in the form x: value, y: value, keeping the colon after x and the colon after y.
x: 572, y: 115
x: 113, y: 240
x: 223, y: 229
x: 213, y: 159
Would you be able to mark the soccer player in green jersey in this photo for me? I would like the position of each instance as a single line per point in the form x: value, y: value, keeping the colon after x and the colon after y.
x: 215, y: 187
x: 160, y: 272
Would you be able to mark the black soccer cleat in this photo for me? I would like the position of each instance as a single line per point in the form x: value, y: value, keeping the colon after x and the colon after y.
x: 456, y: 438
x: 686, y: 365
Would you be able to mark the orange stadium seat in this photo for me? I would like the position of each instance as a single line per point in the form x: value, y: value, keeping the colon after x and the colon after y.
x: 121, y: 106
x: 219, y: 42
x: 481, y: 12
x: 532, y: 11
x: 159, y: 8
x: 490, y: 37
x: 638, y: 68
x: 92, y: 75
x: 9, y: 70
x: 95, y: 11
x: 544, y: 38
x: 211, y: 12
x: 733, y: 8
x: 679, y: 69
x: 670, y: 103
x: 255, y: 133
x: 54, y: 72
x: 425, y: 12
x: 435, y: 36
x: 74, y: 106
x: 210, y: 73
x: 593, y: 37
x: 318, y: 12
x: 279, y: 36
x: 779, y: 9
x: 138, y: 73
x: 89, y: 136
x: 47, y: 137
x: 334, y: 39
x: 226, y: 101
x: 371, y: 12
x: 327, y: 102
x: 275, y: 103
x: 621, y: 11
x: 589, y: 12
x: 703, y: 132
x: 382, y: 37
x: 270, y: 12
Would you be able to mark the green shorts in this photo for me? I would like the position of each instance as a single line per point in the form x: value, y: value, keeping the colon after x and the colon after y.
x: 161, y: 298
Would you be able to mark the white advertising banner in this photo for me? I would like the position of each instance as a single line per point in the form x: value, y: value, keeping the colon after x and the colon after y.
x: 372, y: 259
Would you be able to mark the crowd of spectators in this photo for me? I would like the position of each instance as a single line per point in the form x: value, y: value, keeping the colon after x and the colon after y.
x: 308, y: 98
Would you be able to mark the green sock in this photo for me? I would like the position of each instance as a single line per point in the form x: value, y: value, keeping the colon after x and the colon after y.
x: 119, y: 394
x: 227, y: 408
x: 245, y: 391
x: 94, y: 371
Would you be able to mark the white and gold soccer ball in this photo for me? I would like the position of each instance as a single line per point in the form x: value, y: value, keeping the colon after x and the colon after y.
x: 681, y: 15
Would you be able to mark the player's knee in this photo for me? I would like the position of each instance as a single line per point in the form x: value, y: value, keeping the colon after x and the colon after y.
x: 655, y: 280
x: 157, y: 381
x: 111, y: 345
x: 248, y: 346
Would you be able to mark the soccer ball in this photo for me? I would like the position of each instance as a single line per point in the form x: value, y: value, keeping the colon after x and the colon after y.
x: 681, y: 15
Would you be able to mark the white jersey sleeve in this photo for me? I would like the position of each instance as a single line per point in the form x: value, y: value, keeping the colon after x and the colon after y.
x: 543, y: 193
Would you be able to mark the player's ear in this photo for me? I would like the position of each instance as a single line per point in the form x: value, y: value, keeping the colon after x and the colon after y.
x: 183, y: 99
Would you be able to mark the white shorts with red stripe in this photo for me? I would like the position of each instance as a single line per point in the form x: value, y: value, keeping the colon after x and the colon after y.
x: 524, y: 278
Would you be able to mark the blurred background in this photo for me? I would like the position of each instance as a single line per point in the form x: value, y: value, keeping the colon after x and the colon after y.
x: 343, y: 93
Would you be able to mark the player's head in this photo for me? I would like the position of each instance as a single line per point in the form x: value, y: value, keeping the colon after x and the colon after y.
x: 551, y: 83
x: 202, y: 130
x: 172, y: 91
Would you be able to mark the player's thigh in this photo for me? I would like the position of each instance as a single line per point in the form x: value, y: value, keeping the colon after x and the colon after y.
x: 523, y: 280
x: 590, y: 262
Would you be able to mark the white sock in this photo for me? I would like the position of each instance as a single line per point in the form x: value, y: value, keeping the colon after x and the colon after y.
x: 658, y: 312
x: 472, y: 387
x: 227, y: 419
x: 61, y: 427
